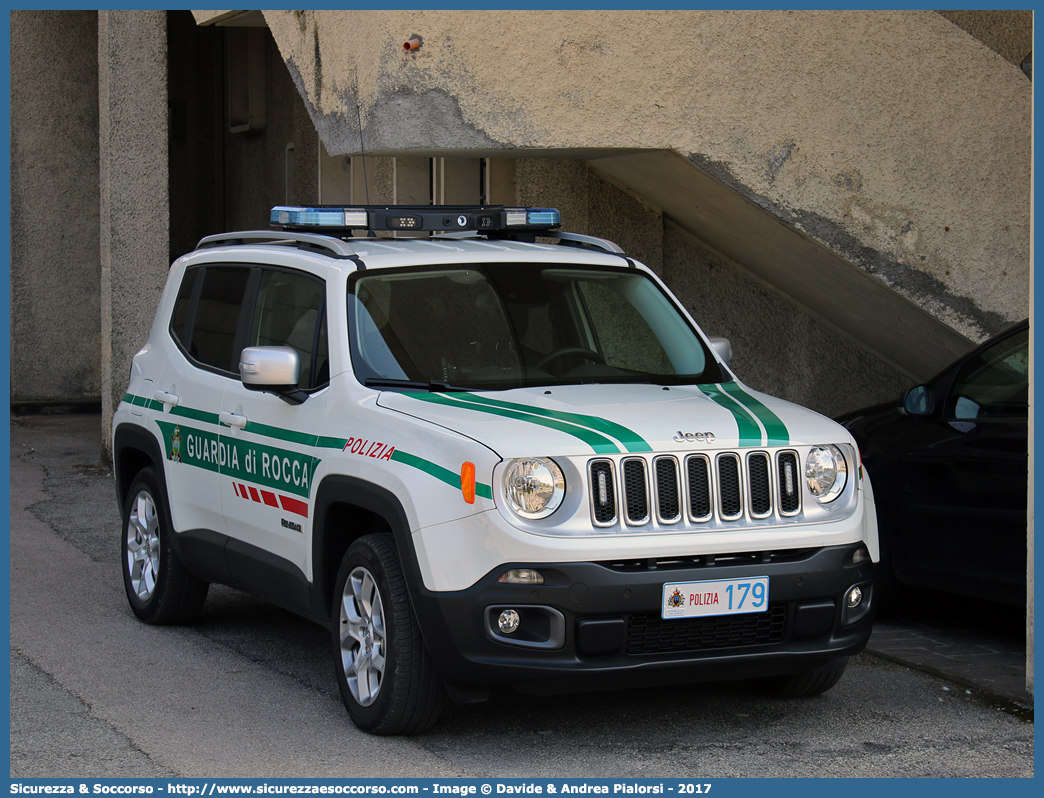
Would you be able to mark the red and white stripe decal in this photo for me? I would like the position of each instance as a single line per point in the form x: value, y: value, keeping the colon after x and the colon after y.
x: 262, y: 496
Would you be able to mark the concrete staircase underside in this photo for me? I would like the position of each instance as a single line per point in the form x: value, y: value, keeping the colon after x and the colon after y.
x: 808, y: 272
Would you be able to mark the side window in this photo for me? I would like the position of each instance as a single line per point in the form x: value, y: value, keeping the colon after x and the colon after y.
x: 995, y: 384
x: 206, y: 315
x: 290, y: 311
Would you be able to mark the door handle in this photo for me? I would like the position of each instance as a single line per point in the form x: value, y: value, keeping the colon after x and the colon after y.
x: 232, y: 419
x: 166, y: 398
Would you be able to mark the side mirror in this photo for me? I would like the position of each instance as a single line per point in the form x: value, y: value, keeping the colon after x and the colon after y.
x: 272, y: 369
x: 919, y: 401
x: 723, y: 348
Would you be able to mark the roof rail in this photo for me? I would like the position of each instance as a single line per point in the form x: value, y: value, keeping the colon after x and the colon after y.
x: 328, y: 244
x: 565, y: 239
x: 578, y: 240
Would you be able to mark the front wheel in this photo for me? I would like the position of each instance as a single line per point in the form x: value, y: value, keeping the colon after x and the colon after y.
x: 159, y: 588
x: 800, y: 685
x: 387, y: 680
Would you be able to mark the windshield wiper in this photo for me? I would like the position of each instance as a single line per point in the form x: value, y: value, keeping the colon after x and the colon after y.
x: 420, y: 385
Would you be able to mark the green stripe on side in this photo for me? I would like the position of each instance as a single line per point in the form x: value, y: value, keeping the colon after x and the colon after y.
x: 631, y: 440
x: 289, y: 435
x: 598, y: 443
x: 746, y: 426
x: 437, y: 471
x: 778, y: 434
x: 142, y: 401
x: 324, y: 442
x: 197, y: 415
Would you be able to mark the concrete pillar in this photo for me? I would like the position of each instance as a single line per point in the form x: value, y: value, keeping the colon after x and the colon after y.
x: 54, y: 208
x: 135, y: 205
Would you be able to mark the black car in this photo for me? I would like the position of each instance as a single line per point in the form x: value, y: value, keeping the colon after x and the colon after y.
x: 949, y: 468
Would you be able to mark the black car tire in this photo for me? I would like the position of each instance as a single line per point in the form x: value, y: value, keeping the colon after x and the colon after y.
x: 800, y: 685
x: 159, y: 588
x: 388, y: 682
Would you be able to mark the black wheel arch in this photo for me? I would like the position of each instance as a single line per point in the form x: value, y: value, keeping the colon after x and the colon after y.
x: 134, y: 448
x: 347, y: 508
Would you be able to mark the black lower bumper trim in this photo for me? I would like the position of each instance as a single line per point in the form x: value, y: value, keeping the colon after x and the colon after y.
x: 615, y: 634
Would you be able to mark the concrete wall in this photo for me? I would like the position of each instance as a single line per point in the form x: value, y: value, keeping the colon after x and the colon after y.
x: 593, y: 206
x: 55, y: 332
x: 777, y: 345
x: 134, y: 203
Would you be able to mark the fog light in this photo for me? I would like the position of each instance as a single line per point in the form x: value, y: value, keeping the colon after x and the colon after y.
x: 508, y: 621
x: 855, y: 597
x: 521, y: 576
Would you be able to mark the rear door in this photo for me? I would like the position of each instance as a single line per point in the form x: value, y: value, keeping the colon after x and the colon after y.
x: 205, y: 328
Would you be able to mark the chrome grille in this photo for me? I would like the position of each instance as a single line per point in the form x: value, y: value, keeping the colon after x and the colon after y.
x: 760, y: 491
x: 636, y: 491
x: 668, y: 496
x: 789, y: 487
x: 731, y: 504
x: 603, y: 493
x: 698, y: 469
x: 697, y: 488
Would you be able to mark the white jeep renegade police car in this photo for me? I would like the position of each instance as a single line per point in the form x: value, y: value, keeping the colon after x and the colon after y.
x: 482, y: 461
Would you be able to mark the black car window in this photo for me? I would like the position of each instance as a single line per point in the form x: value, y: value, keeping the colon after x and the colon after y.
x: 206, y: 315
x: 289, y: 312
x: 995, y: 383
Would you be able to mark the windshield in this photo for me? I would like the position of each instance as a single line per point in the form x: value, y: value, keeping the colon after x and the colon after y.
x: 510, y: 325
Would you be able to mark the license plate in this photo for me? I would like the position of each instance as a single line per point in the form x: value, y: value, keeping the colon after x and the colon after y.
x: 715, y: 597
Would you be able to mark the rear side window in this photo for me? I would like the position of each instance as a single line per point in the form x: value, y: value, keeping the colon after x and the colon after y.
x: 206, y: 315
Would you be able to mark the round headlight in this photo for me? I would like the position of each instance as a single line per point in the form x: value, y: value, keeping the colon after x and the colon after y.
x: 534, y: 486
x: 826, y: 473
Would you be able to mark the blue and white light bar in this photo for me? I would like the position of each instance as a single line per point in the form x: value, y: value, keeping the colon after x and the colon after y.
x: 415, y: 218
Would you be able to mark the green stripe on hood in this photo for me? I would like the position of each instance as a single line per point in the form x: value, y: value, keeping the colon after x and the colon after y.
x: 746, y: 427
x: 597, y: 442
x: 778, y: 434
x: 631, y: 440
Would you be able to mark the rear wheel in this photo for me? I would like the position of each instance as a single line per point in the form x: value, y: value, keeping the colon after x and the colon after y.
x: 387, y: 680
x: 800, y: 685
x: 159, y: 588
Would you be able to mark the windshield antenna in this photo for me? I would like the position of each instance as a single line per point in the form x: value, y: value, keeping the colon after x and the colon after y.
x: 362, y: 151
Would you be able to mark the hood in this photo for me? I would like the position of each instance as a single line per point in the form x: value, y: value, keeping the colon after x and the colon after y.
x: 612, y: 419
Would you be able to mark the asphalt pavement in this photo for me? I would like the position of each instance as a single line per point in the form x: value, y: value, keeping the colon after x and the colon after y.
x: 248, y: 690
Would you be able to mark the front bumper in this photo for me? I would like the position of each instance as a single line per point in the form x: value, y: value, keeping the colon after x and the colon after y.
x: 599, y: 626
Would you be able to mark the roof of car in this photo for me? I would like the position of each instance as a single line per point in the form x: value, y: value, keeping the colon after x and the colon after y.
x: 383, y: 252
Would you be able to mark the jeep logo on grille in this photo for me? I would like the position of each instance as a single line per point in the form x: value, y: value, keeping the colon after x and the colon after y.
x: 699, y: 437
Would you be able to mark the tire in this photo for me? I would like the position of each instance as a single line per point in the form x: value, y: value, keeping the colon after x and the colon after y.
x: 800, y: 685
x: 159, y: 588
x: 388, y: 682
